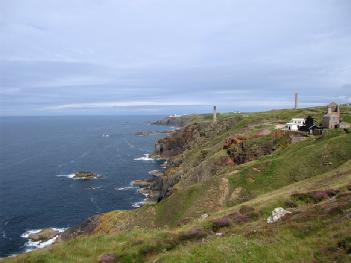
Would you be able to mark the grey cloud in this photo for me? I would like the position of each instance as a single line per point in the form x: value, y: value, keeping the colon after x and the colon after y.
x: 240, y: 55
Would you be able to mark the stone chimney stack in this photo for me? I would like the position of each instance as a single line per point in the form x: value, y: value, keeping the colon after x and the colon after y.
x: 214, y: 114
x: 296, y: 101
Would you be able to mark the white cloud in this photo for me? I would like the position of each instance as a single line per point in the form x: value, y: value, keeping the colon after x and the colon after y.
x: 116, y: 104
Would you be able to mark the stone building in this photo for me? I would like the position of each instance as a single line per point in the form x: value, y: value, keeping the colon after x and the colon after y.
x: 331, y: 120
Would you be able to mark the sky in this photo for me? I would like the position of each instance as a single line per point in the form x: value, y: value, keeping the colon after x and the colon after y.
x: 162, y: 57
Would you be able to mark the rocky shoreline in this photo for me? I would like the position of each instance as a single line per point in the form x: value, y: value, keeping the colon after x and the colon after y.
x: 40, y: 238
x: 153, y: 133
x: 151, y: 187
x: 154, y: 189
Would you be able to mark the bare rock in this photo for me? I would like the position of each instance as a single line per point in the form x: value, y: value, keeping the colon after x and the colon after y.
x: 85, y: 175
x: 44, y: 235
x: 277, y: 214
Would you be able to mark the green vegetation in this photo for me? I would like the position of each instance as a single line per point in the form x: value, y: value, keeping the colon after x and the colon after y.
x: 176, y: 230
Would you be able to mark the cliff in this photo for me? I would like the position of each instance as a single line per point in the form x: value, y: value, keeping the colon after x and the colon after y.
x: 219, y: 188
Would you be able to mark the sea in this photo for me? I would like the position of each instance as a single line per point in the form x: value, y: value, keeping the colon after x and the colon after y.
x: 38, y: 157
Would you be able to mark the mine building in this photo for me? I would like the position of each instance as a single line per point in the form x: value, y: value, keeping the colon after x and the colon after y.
x: 331, y: 120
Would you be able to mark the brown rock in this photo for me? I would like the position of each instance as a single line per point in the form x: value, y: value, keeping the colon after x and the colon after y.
x: 233, y: 140
x: 44, y: 235
x: 156, y: 173
x: 141, y: 183
x: 85, y: 175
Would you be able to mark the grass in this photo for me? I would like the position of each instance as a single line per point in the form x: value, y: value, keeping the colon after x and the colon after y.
x: 295, y: 163
x: 171, y: 211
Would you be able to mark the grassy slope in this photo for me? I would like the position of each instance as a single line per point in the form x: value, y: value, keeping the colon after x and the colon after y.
x: 144, y: 234
x: 309, y: 238
x: 283, y: 167
x: 276, y: 243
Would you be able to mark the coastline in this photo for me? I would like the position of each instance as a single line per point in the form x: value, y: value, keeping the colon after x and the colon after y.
x: 91, y: 201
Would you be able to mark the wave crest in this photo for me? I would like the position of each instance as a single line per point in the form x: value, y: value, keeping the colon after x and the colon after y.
x: 146, y: 157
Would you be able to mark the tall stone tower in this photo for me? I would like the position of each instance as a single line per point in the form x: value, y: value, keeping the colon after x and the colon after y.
x: 296, y: 101
x: 214, y: 114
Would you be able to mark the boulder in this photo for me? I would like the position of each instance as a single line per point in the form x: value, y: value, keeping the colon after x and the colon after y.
x: 277, y: 214
x: 44, y: 235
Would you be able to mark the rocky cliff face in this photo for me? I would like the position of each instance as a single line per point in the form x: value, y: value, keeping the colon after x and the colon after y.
x: 179, y: 121
x: 192, y: 134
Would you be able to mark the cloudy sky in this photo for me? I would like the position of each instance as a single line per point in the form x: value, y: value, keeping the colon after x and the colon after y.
x: 156, y: 56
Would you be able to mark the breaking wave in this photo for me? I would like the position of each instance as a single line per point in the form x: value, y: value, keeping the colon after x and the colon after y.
x: 66, y: 175
x: 146, y: 157
x: 31, y: 245
x: 138, y: 204
x: 72, y: 176
x: 126, y: 188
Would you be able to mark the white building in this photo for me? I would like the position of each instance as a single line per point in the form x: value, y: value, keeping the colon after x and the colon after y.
x: 294, y: 124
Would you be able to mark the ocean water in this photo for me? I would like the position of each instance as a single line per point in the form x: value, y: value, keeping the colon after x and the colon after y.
x: 38, y: 155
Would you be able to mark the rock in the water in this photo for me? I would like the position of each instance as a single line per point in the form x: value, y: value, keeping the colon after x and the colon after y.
x: 108, y: 258
x: 277, y: 214
x: 85, y: 175
x: 44, y: 235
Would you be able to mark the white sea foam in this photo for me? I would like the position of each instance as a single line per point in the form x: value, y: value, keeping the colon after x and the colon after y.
x: 105, y: 135
x: 146, y: 157
x: 164, y: 165
x: 138, y: 204
x: 31, y: 245
x: 96, y: 188
x: 142, y: 193
x: 126, y: 188
x: 71, y: 176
